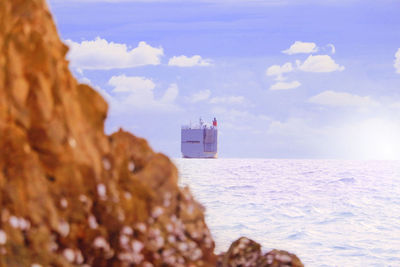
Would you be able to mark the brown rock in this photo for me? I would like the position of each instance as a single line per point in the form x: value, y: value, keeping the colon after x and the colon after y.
x: 69, y: 194
x: 247, y: 253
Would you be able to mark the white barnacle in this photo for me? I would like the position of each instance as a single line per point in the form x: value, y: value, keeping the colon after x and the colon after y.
x: 131, y: 166
x: 123, y: 240
x: 14, y: 221
x: 106, y: 164
x: 157, y: 211
x: 52, y: 246
x: 83, y: 198
x: 167, y: 199
x: 19, y: 223
x: 242, y: 245
x: 3, y: 237
x: 190, y: 209
x: 121, y: 215
x: 127, y: 195
x: 283, y: 258
x: 154, y: 232
x: 137, y: 246
x: 63, y: 228
x: 168, y: 252
x: 125, y: 257
x: 166, y: 202
x: 36, y: 265
x: 192, y: 245
x: 183, y: 246
x: 181, y: 260
x: 101, y: 190
x: 186, y: 195
x: 147, y: 264
x: 169, y: 227
x: 171, y: 239
x: 100, y: 242
x: 24, y: 224
x: 69, y: 254
x: 159, y: 241
x: 137, y: 258
x: 141, y: 227
x: 196, y: 254
x: 270, y: 259
x: 170, y: 260
x: 174, y: 218
x: 64, y: 203
x: 156, y: 255
x: 126, y: 230
x: 72, y: 142
x: 195, y: 234
x: 79, y: 257
x: 244, y: 241
x: 92, y: 222
x: 208, y: 241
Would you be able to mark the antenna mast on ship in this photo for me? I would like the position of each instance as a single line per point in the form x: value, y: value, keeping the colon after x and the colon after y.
x: 215, y: 122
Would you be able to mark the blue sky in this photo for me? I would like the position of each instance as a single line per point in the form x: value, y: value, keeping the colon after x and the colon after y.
x: 285, y: 79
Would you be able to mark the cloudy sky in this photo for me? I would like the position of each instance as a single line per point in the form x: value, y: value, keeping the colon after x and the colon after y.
x: 285, y: 78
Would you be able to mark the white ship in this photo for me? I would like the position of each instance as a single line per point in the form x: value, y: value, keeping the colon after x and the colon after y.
x: 200, y: 141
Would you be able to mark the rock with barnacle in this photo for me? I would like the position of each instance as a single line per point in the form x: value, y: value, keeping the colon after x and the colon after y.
x: 247, y: 253
x: 69, y: 194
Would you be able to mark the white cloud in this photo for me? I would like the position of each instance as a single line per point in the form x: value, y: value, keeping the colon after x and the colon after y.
x: 184, y: 61
x: 101, y: 54
x: 200, y: 96
x: 394, y: 105
x: 79, y: 71
x: 227, y: 100
x: 301, y: 48
x: 319, y: 63
x: 397, y: 61
x: 241, y: 120
x: 278, y: 71
x: 85, y: 80
x: 137, y: 93
x: 342, y: 99
x: 285, y: 85
x: 249, y: 2
x: 123, y: 83
x: 170, y: 94
x: 333, y: 48
x: 297, y: 128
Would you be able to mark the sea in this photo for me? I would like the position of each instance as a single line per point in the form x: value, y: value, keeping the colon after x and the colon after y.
x: 327, y: 212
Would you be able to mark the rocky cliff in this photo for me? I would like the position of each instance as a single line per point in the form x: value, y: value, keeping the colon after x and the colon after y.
x: 71, y: 195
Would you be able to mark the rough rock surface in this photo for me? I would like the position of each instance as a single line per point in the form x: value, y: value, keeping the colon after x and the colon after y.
x: 69, y: 194
x: 247, y: 253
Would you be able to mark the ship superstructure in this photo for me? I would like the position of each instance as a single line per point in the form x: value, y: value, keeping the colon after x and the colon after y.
x: 200, y: 141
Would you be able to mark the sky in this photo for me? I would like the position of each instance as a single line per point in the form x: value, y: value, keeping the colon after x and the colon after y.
x: 285, y: 79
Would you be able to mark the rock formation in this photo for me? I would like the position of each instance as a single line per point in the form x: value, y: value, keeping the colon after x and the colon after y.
x: 246, y: 252
x: 69, y: 194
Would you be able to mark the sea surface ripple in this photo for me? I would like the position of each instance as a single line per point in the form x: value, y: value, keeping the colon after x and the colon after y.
x: 327, y: 212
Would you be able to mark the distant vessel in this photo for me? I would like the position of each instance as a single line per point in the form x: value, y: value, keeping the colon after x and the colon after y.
x: 200, y: 141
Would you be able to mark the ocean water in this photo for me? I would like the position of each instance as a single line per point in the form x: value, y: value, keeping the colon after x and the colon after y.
x: 328, y: 212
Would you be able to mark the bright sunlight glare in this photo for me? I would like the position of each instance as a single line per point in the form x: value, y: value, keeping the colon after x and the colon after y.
x: 374, y: 139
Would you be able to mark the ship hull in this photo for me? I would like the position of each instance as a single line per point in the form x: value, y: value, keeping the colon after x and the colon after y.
x: 202, y: 156
x: 199, y: 142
